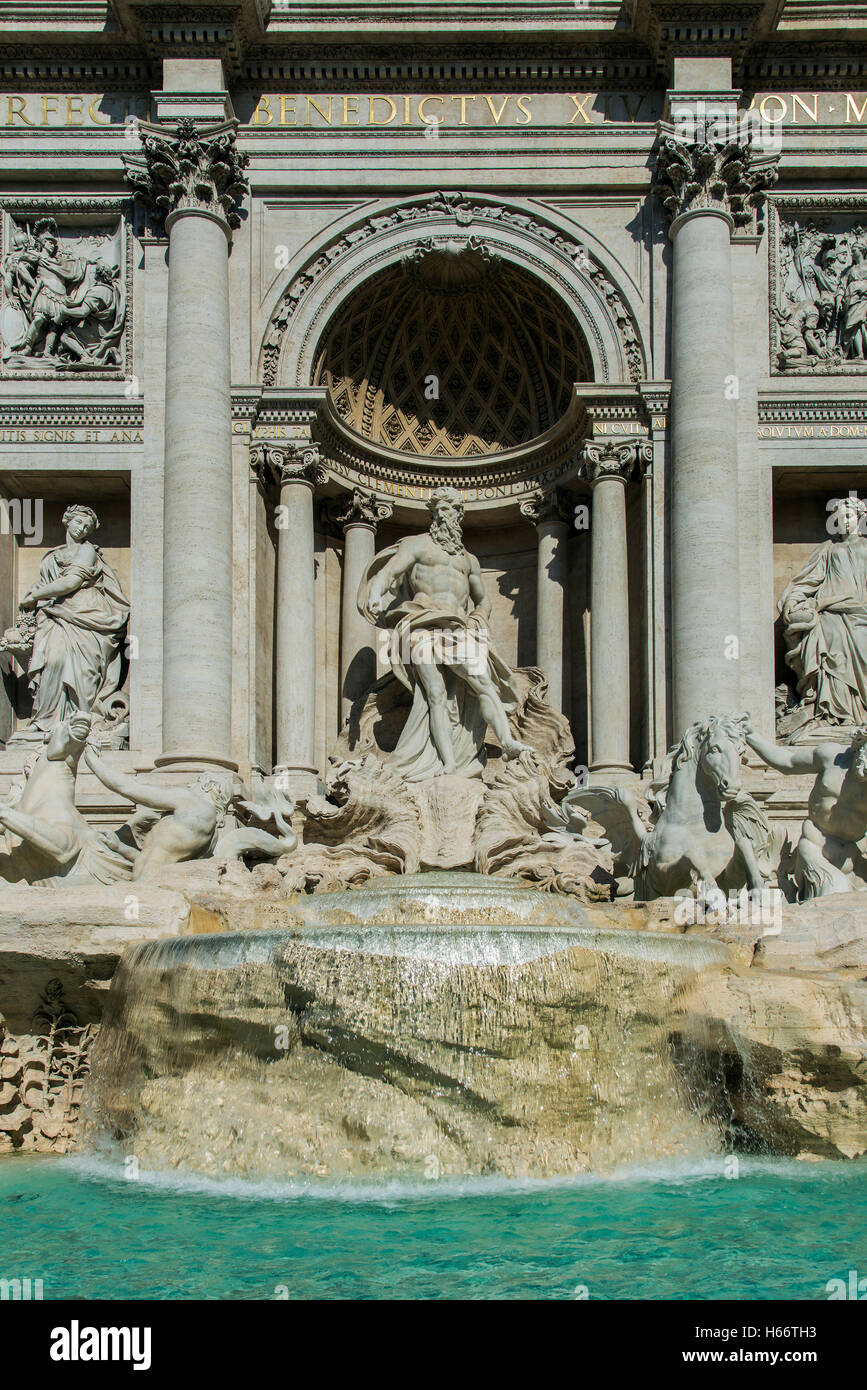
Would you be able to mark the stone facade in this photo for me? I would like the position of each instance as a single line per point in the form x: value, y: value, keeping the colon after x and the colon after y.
x: 271, y: 275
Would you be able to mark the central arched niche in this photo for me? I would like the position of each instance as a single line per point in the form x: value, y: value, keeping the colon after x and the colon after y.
x: 503, y: 350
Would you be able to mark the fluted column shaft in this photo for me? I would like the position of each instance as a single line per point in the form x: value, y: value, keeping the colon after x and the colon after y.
x: 295, y: 644
x: 358, y: 516
x: 197, y: 509
x: 709, y: 179
x: 192, y: 178
x: 705, y: 582
x: 550, y: 515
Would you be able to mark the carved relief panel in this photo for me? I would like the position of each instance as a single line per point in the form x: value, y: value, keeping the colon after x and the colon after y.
x: 818, y: 285
x: 65, y: 288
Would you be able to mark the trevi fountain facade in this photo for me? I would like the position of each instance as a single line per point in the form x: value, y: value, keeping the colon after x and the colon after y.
x: 433, y: 578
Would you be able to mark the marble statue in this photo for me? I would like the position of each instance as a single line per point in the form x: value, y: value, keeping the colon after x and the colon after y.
x: 824, y: 613
x: 853, y: 306
x: 69, y: 304
x: 428, y: 591
x: 805, y: 331
x: 828, y: 857
x: 190, y: 819
x: 707, y: 833
x: 81, y: 616
x: 51, y: 840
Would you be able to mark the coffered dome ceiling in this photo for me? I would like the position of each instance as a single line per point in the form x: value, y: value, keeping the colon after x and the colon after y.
x: 504, y: 352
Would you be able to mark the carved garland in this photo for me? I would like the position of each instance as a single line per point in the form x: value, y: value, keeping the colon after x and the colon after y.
x: 465, y: 212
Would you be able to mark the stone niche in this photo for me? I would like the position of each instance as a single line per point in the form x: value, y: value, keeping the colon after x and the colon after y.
x: 800, y: 525
x: 65, y: 289
x: 40, y: 500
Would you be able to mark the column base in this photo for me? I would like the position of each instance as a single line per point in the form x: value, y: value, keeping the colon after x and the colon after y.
x: 602, y: 774
x: 194, y: 762
x: 298, y: 780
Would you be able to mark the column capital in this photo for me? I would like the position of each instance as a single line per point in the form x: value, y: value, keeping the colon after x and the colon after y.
x: 192, y: 168
x: 725, y: 177
x: 614, y: 459
x: 359, y: 508
x: 547, y: 508
x: 287, y: 463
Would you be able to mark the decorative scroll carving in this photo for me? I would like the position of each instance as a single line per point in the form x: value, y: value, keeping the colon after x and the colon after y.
x: 545, y: 507
x: 466, y: 213
x: 691, y: 175
x: 446, y: 266
x: 288, y: 463
x: 360, y: 506
x: 195, y: 166
x: 64, y: 297
x: 614, y: 459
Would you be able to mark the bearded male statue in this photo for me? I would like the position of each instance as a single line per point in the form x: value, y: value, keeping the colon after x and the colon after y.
x: 428, y: 591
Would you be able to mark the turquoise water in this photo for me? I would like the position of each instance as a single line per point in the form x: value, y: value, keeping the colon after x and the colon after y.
x: 776, y: 1230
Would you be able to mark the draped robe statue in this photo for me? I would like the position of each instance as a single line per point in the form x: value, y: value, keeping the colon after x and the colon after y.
x: 428, y: 591
x: 824, y: 611
x: 81, y: 618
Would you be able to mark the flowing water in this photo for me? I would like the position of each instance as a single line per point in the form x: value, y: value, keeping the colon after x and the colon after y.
x: 472, y: 1042
x: 721, y: 1228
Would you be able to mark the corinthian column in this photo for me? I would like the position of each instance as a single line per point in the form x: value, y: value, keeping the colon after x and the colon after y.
x: 607, y: 466
x: 358, y: 516
x: 192, y: 178
x: 707, y: 185
x: 297, y: 469
x: 550, y: 515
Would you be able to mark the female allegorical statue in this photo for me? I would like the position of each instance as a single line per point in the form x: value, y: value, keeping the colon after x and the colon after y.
x: 824, y: 611
x: 81, y: 617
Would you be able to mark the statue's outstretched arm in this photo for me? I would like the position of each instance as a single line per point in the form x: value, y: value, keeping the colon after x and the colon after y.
x: 792, y: 760
x: 48, y: 838
x: 135, y: 789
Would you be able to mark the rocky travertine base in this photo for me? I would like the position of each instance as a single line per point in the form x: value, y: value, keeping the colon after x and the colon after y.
x: 603, y: 1035
x: 443, y: 1023
x: 522, y: 1051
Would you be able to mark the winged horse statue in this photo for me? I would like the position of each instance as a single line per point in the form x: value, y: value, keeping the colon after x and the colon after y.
x: 705, y: 833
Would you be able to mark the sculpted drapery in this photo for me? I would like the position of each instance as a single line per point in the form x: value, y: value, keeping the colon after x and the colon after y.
x: 824, y: 613
x: 81, y: 617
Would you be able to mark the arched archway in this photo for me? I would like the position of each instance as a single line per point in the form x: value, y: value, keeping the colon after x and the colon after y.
x: 579, y: 273
x: 452, y: 354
